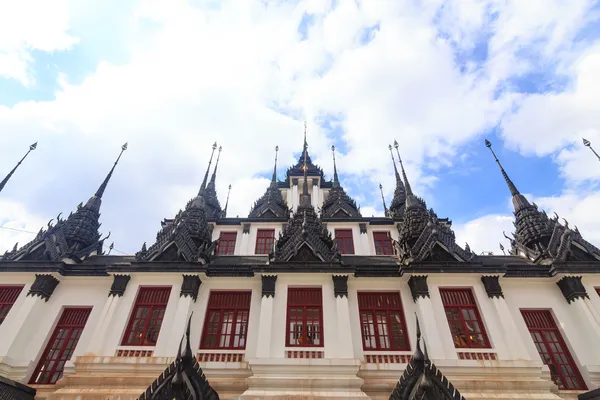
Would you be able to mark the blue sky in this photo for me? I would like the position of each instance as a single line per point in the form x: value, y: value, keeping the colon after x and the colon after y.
x: 171, y: 78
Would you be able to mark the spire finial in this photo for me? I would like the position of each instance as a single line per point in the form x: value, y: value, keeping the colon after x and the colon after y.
x: 214, y: 175
x: 227, y: 201
x: 385, y: 210
x: 274, y: 179
x: 406, y: 184
x: 336, y: 181
x: 511, y: 185
x: 394, y: 163
x: 3, y: 183
x: 587, y: 143
x: 305, y: 142
x: 102, y: 187
x: 203, y: 186
x: 304, y: 198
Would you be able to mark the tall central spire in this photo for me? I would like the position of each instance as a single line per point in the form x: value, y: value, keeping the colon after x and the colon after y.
x: 398, y: 180
x: 102, y: 187
x: 406, y: 184
x: 31, y: 148
x: 511, y: 185
x: 336, y: 181
x: 214, y: 175
x: 203, y: 186
x: 274, y: 178
x: 304, y: 199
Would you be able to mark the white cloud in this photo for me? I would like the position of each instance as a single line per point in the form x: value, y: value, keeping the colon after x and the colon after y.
x: 227, y: 72
x: 484, y: 234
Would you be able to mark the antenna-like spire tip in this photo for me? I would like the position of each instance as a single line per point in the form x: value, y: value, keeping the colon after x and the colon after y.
x: 395, y: 143
x: 124, y: 147
x: 33, y: 146
x: 488, y: 143
x: 586, y: 142
x: 214, y: 146
x: 276, y: 148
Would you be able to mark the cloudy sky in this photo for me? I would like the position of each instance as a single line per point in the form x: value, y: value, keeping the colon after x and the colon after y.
x: 172, y: 77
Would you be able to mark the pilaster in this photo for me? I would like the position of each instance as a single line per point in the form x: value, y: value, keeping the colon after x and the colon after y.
x: 315, y: 194
x: 187, y: 296
x: 420, y: 293
x: 295, y: 197
x: 176, y: 306
x: 344, y: 343
x: 244, y: 243
x: 263, y: 349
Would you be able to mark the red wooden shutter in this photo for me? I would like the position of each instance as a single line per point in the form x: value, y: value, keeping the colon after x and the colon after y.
x: 382, y: 321
x: 304, y: 317
x: 383, y: 243
x: 552, y: 349
x: 61, y: 345
x: 264, y: 241
x: 8, y: 296
x: 464, y: 319
x: 226, y: 243
x: 344, y: 240
x: 226, y: 322
x: 146, y: 319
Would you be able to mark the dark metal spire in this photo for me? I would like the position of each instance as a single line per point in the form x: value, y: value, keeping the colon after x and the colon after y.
x: 336, y: 181
x: 102, y: 187
x: 214, y: 175
x: 398, y: 180
x: 3, y: 183
x: 511, y: 185
x: 406, y: 184
x: 203, y: 186
x: 386, y: 212
x: 586, y: 143
x: 227, y: 202
x: 274, y: 178
x: 304, y: 199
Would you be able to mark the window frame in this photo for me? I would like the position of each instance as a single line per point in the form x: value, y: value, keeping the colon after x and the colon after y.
x: 74, y: 330
x: 148, y: 318
x: 389, y: 311
x: 468, y: 306
x: 388, y: 239
x: 228, y: 241
x: 345, y: 240
x: 214, y: 306
x: 8, y: 297
x: 304, y: 306
x: 267, y: 249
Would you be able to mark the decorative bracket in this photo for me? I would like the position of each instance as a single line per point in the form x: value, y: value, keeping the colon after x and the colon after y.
x: 43, y: 286
x: 492, y: 286
x: 418, y: 286
x: 363, y: 227
x: 340, y: 285
x: 572, y: 288
x: 245, y: 228
x: 119, y: 285
x: 190, y: 286
x: 268, y: 285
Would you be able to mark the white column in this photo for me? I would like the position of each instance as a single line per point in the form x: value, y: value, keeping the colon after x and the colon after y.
x: 182, y: 313
x: 591, y: 329
x: 315, y: 194
x: 96, y: 346
x: 429, y: 328
x: 162, y: 348
x: 514, y: 342
x: 290, y: 202
x: 20, y: 322
x: 364, y: 245
x: 295, y: 197
x: 244, y: 244
x: 344, y: 345
x: 263, y: 350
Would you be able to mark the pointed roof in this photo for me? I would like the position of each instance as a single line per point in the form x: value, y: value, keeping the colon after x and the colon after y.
x: 422, y: 236
x: 398, y: 202
x: 213, y: 207
x: 183, y: 379
x: 77, y: 237
x: 338, y: 204
x: 10, y: 174
x: 271, y: 204
x: 188, y: 237
x: 304, y: 162
x: 305, y: 238
x: 422, y: 380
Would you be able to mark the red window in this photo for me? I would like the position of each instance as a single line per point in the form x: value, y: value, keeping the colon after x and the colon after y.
x: 146, y: 318
x: 226, y: 243
x: 463, y: 316
x: 382, y: 321
x: 226, y: 322
x: 383, y: 244
x: 264, y: 241
x: 8, y: 296
x: 304, y: 317
x: 552, y: 349
x: 61, y: 345
x: 345, y: 244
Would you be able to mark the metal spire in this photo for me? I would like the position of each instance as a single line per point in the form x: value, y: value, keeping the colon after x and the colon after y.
x: 3, y: 183
x: 304, y: 200
x: 203, y: 186
x: 398, y: 180
x: 406, y: 184
x: 227, y: 202
x: 511, y: 185
x: 386, y: 212
x: 586, y: 143
x: 274, y: 178
x: 336, y: 181
x: 102, y: 187
x: 214, y: 175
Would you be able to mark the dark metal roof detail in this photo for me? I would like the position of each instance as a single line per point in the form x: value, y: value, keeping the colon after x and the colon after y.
x: 397, y: 205
x: 338, y: 204
x: 422, y: 380
x: 183, y: 379
x: 5, y: 180
x: 11, y: 390
x: 271, y: 204
x: 76, y: 238
x: 303, y: 165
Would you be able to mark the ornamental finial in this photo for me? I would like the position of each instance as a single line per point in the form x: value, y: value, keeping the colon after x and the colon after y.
x: 406, y: 184
x: 587, y: 143
x: 102, y: 187
x: 205, y: 180
x: 5, y: 180
x: 385, y: 209
x: 511, y: 185
x: 336, y: 181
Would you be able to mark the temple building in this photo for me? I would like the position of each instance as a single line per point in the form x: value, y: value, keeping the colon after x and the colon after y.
x: 305, y: 298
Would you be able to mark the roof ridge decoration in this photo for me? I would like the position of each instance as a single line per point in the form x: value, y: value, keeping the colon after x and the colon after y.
x: 183, y: 379
x: 422, y: 236
x: 304, y: 237
x: 271, y: 204
x: 539, y: 238
x: 75, y: 238
x: 422, y: 380
x: 338, y: 204
x: 188, y: 237
x: 10, y: 174
x: 398, y: 202
x: 213, y: 207
x: 304, y: 162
